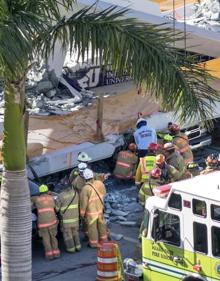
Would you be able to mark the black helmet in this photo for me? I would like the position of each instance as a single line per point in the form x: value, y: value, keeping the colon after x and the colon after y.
x: 212, y: 160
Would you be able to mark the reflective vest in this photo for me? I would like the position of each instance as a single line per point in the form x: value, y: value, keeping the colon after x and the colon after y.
x: 145, y: 166
x: 45, y: 208
x: 68, y: 208
x: 125, y: 165
x: 182, y: 144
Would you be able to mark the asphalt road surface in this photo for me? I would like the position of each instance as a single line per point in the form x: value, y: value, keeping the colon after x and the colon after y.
x: 81, y: 266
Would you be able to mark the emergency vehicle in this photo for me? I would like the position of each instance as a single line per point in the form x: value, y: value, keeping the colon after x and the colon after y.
x: 181, y: 240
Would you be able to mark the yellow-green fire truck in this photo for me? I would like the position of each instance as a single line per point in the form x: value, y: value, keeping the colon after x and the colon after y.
x: 181, y: 239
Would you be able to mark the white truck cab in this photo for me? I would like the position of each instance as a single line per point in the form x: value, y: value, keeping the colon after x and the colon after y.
x: 181, y: 240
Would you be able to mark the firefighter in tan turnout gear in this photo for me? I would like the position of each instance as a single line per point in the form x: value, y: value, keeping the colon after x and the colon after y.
x: 168, y: 172
x: 47, y: 222
x: 147, y: 188
x: 126, y: 163
x: 92, y: 208
x: 76, y: 177
x: 78, y: 182
x: 82, y: 158
x: 181, y: 141
x: 174, y: 159
x: 146, y: 165
x: 68, y: 208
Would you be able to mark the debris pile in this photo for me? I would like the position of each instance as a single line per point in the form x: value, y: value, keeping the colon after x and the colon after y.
x: 121, y: 209
x: 46, y: 95
x: 206, y: 15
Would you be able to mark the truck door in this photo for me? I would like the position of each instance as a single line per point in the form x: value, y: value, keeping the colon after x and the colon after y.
x: 166, y: 255
x: 198, y: 256
x: 215, y: 241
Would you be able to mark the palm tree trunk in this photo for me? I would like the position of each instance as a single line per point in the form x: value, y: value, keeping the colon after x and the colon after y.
x: 16, y: 222
x: 15, y: 227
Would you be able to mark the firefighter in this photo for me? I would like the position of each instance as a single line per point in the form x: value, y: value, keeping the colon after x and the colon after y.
x: 92, y: 208
x: 193, y: 169
x: 47, y: 222
x: 126, y: 163
x: 68, y: 208
x: 168, y: 172
x: 81, y: 158
x: 174, y: 158
x: 181, y: 141
x: 145, y: 165
x: 146, y: 189
x: 78, y: 182
x: 163, y: 138
x: 211, y: 164
x: 167, y: 138
x: 143, y: 136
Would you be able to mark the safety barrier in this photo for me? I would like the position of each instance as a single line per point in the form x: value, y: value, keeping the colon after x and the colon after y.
x: 109, y: 263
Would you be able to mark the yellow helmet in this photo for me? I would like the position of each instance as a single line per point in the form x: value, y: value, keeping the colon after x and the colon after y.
x: 43, y: 188
x: 168, y: 138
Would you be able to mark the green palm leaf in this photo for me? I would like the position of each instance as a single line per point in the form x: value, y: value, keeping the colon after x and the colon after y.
x: 145, y: 51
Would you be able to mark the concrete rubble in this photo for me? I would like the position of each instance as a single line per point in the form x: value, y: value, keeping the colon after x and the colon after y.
x: 206, y: 15
x: 46, y: 95
x: 120, y: 208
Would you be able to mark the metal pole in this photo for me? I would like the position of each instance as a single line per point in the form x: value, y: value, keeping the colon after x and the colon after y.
x: 99, y: 119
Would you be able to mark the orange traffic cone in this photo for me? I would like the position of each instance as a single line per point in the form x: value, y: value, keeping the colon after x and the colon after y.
x: 109, y: 265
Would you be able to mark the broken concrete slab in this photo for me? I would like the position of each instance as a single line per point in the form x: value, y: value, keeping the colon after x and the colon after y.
x: 120, y: 218
x: 133, y: 207
x: 128, y: 223
x: 51, y: 93
x: 108, y: 211
x: 44, y: 86
x: 119, y: 213
x: 116, y: 236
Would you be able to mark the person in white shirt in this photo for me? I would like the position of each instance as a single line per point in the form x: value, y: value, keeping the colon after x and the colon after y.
x: 143, y: 136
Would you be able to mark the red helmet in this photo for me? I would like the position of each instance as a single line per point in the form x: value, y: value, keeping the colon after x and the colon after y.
x: 132, y: 146
x: 169, y: 146
x: 160, y: 159
x: 174, y: 128
x: 153, y: 147
x: 156, y: 173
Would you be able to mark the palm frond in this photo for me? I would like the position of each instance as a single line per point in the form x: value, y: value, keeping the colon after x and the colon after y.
x: 145, y: 51
x: 21, y: 22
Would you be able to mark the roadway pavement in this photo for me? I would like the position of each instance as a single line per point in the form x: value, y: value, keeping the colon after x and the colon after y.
x: 82, y: 265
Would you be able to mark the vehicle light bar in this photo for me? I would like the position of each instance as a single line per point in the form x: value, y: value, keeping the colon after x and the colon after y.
x: 162, y: 191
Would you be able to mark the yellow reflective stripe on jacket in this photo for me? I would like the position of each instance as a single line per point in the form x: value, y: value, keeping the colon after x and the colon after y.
x: 147, y: 164
x: 73, y: 206
x: 141, y: 192
x: 70, y: 220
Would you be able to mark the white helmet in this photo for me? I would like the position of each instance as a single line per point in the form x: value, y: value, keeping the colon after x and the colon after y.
x: 88, y: 174
x: 83, y: 157
x: 141, y: 120
x: 82, y: 166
